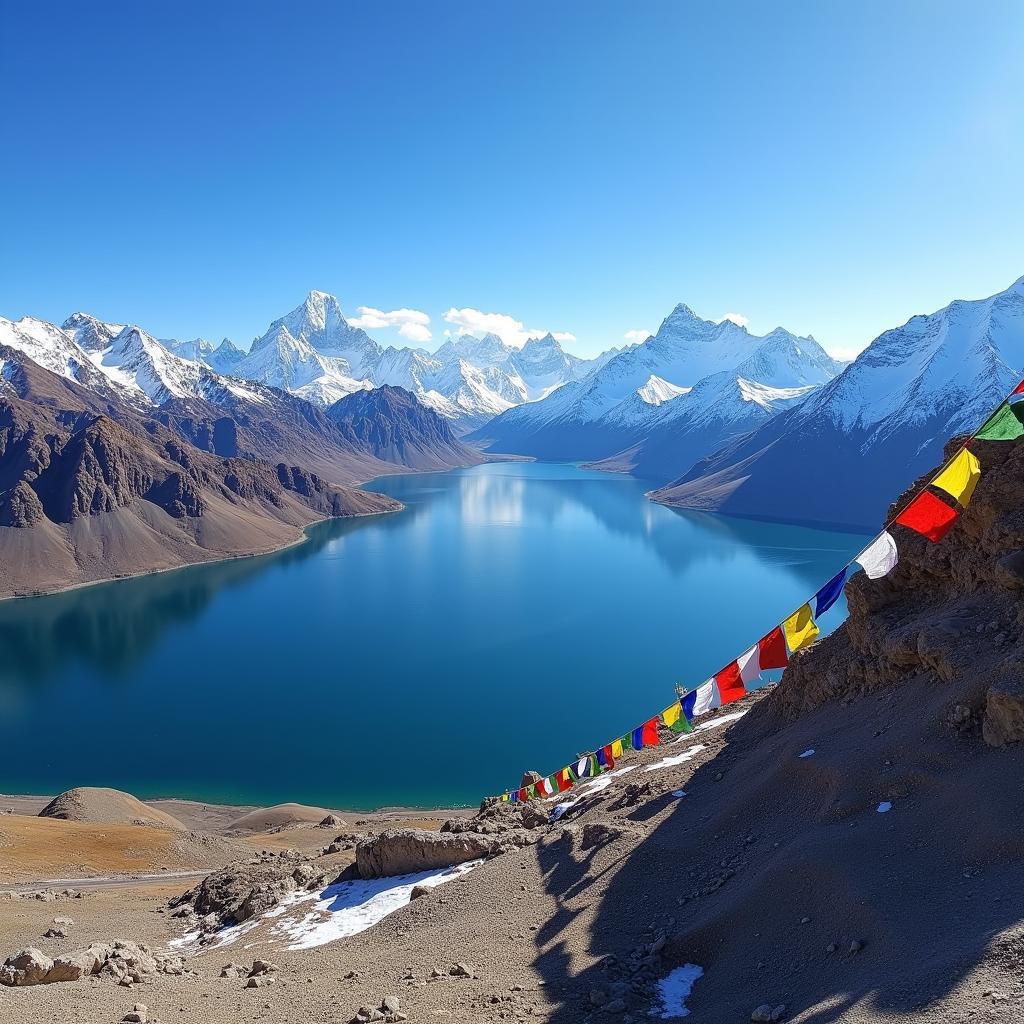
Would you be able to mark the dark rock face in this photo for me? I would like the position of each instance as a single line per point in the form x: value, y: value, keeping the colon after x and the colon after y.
x: 391, y: 424
x: 948, y: 614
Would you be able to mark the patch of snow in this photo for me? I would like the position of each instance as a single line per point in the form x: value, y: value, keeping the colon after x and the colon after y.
x: 349, y: 908
x: 657, y: 391
x: 809, y: 752
x: 884, y: 806
x: 678, y: 792
x: 675, y: 988
x: 720, y: 721
x: 669, y: 762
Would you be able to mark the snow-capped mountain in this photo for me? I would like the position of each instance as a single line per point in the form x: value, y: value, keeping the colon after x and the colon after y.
x: 717, y: 410
x: 606, y: 412
x: 290, y: 362
x: 128, y: 372
x: 54, y: 350
x: 840, y: 455
x: 314, y: 352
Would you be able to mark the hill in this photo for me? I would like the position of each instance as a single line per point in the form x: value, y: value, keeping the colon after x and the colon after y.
x: 107, y: 806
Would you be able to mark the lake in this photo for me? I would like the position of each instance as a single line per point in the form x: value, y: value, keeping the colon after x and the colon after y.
x: 512, y: 616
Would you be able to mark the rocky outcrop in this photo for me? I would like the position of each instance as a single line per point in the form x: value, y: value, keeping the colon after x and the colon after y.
x: 240, y: 892
x: 949, y: 614
x: 498, y: 827
x: 127, y: 963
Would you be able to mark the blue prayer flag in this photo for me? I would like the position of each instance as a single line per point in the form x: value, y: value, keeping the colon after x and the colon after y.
x: 829, y: 594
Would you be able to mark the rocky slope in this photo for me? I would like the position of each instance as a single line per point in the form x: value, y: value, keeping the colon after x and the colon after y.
x: 91, y: 490
x: 392, y: 425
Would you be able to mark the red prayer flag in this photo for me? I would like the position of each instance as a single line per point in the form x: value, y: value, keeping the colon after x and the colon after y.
x: 606, y: 757
x: 523, y: 795
x: 771, y: 651
x: 1019, y: 389
x: 928, y: 515
x: 730, y: 684
x: 651, y: 733
x: 563, y: 780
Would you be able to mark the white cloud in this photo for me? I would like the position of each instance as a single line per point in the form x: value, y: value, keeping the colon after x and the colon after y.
x: 637, y: 335
x: 737, y: 318
x: 411, y: 323
x: 415, y: 332
x: 508, y: 328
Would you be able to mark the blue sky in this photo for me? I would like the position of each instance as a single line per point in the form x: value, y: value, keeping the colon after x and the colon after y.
x: 577, y: 167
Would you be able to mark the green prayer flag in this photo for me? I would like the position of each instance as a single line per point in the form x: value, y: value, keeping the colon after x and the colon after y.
x: 1004, y: 424
x: 627, y: 741
x: 682, y: 724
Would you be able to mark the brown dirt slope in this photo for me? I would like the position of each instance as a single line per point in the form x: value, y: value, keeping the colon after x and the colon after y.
x: 86, y: 495
x: 263, y: 819
x: 95, y: 804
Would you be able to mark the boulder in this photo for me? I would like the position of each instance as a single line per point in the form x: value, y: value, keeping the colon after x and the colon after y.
x: 28, y: 966
x: 1003, y: 721
x: 401, y: 851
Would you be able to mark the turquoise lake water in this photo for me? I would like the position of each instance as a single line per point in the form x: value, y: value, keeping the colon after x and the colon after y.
x: 512, y: 616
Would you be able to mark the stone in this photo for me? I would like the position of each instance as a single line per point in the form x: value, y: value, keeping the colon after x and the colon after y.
x: 856, y: 946
x: 62, y: 922
x: 391, y: 1004
x: 331, y: 821
x: 763, y: 1014
x: 1003, y: 721
x: 28, y: 966
x: 55, y: 933
x: 778, y: 1012
x: 232, y: 971
x: 418, y: 891
x: 138, y: 1014
x: 461, y: 971
x: 403, y: 851
x: 261, y: 967
x: 80, y: 964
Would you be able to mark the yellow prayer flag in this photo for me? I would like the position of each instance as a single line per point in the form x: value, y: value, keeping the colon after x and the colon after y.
x: 800, y: 629
x: 616, y: 749
x: 960, y: 477
x: 671, y: 715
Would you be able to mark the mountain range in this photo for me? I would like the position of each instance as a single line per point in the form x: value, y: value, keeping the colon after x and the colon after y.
x: 119, y: 456
x: 837, y: 456
x: 314, y: 353
x: 656, y: 407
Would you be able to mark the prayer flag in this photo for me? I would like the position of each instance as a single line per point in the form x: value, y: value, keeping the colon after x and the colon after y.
x: 627, y: 742
x: 674, y: 718
x: 546, y: 787
x: 531, y: 791
x: 730, y: 686
x: 1004, y: 424
x: 564, y: 780
x: 701, y: 700
x: 605, y: 757
x: 650, y: 732
x: 771, y: 650
x: 616, y: 746
x: 960, y: 477
x: 800, y: 629
x: 523, y: 795
x: 829, y: 594
x: 879, y: 558
x: 750, y: 665
x: 504, y: 798
x: 637, y: 739
x: 514, y: 797
x: 929, y: 516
